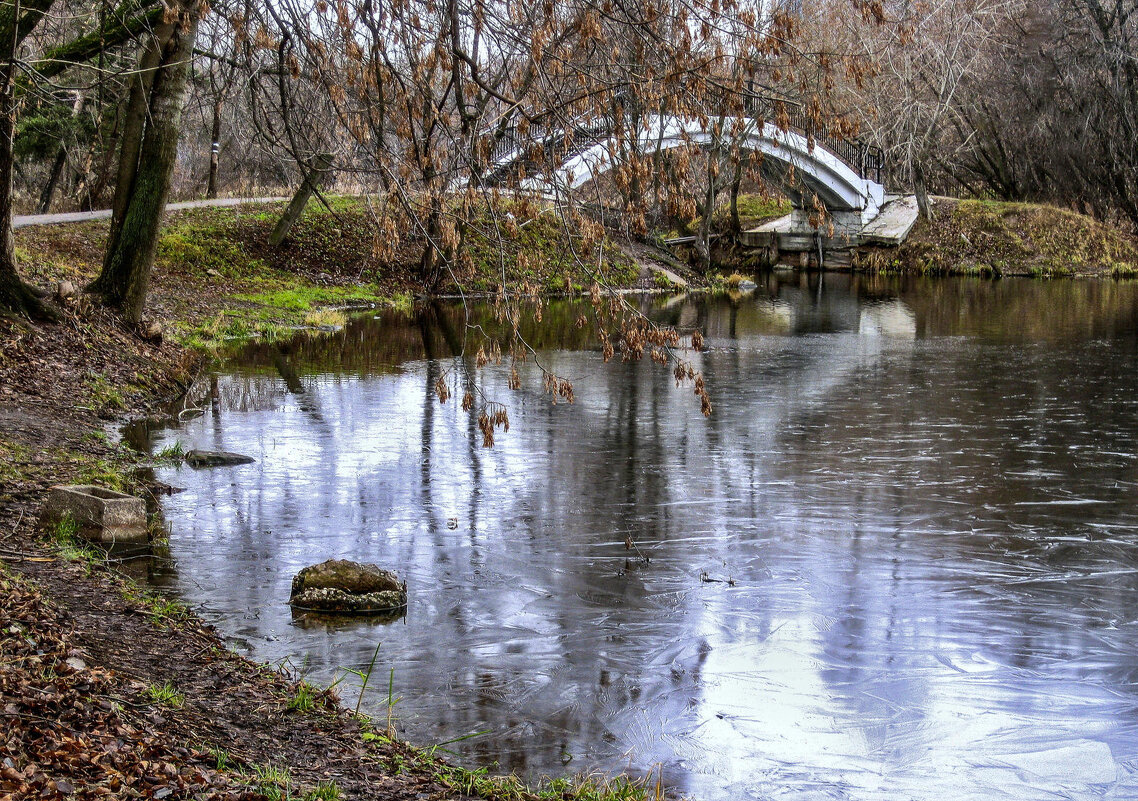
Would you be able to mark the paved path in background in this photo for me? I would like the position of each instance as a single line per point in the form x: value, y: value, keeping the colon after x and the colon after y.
x: 20, y: 221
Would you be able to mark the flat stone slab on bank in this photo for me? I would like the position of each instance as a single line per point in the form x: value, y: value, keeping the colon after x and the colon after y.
x: 893, y: 224
x: 196, y: 458
x: 101, y: 515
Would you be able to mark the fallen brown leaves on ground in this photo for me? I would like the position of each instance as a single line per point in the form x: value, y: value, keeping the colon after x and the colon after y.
x: 69, y: 732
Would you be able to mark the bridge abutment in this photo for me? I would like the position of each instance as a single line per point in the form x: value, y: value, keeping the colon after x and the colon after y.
x: 801, y: 232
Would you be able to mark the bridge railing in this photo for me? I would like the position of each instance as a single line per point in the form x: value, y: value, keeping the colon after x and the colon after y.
x: 555, y: 144
x: 558, y: 144
x: 867, y: 160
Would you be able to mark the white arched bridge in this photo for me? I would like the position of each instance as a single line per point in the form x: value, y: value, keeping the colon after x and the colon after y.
x: 844, y: 176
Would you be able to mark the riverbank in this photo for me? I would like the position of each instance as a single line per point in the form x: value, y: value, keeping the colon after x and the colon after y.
x: 991, y: 238
x: 110, y: 688
x: 217, y: 278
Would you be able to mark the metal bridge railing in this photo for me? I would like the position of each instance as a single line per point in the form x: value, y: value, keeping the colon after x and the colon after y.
x: 556, y: 145
x: 867, y: 160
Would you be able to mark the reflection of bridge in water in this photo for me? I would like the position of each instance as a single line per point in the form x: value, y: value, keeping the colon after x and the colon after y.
x: 796, y: 304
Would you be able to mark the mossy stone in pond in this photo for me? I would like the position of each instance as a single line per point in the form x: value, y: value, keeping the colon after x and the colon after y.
x: 339, y: 585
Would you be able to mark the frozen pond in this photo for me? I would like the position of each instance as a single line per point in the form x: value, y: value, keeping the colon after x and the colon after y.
x: 900, y: 561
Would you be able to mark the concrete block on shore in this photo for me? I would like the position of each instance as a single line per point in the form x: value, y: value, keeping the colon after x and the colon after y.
x: 101, y: 515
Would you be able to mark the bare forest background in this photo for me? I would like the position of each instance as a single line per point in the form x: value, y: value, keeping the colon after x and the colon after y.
x: 408, y: 103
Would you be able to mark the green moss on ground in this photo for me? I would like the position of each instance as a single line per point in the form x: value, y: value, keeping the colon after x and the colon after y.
x: 216, y: 278
x: 982, y: 237
x: 754, y: 210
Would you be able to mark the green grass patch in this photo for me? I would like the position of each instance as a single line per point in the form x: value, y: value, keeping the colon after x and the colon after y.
x: 113, y: 473
x: 13, y: 461
x: 751, y: 205
x: 987, y: 238
x: 202, y: 249
x: 277, y: 311
x: 307, y: 298
x: 171, y: 453
x: 753, y: 210
x: 482, y: 784
x: 523, y: 243
x: 324, y: 791
x: 221, y: 757
x: 165, y: 694
x: 65, y: 539
x: 272, y: 782
x: 162, y: 612
x: 304, y: 698
x: 104, y: 396
x: 270, y: 315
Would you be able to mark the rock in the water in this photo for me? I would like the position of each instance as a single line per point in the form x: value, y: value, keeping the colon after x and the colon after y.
x: 357, y: 578
x: 196, y: 458
x: 339, y: 585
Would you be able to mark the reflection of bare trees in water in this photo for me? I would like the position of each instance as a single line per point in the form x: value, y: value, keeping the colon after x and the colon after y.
x: 251, y: 393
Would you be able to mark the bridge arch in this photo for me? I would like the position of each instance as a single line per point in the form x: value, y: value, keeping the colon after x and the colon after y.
x: 819, y: 171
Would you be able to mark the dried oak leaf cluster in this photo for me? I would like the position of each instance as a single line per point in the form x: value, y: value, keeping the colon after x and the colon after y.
x: 634, y: 335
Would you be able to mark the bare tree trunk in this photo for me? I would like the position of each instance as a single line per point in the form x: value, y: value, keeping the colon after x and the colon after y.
x: 433, y: 259
x: 919, y: 189
x: 88, y: 188
x: 90, y: 184
x: 736, y: 185
x: 60, y: 160
x: 52, y: 179
x: 141, y: 199
x: 214, y: 152
x: 321, y: 166
x: 703, y: 237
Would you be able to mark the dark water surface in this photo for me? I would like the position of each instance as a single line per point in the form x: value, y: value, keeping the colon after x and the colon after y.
x: 917, y: 501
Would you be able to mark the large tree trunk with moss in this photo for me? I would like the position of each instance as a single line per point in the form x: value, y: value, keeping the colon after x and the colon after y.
x: 146, y: 165
x: 134, y: 127
x: 15, y: 295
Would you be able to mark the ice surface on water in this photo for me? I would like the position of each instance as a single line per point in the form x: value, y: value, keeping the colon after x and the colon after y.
x: 922, y: 493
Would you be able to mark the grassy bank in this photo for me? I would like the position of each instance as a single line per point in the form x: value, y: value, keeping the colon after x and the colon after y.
x: 216, y: 277
x: 980, y: 237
